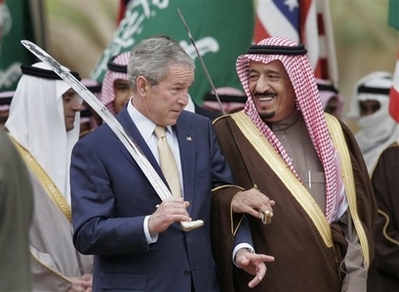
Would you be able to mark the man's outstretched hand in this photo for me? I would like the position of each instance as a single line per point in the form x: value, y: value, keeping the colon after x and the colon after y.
x: 253, y: 264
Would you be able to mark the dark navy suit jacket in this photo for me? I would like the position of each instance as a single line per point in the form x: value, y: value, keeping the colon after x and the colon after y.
x: 111, y: 196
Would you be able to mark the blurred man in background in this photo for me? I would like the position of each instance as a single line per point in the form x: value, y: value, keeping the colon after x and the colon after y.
x: 331, y: 99
x: 369, y: 107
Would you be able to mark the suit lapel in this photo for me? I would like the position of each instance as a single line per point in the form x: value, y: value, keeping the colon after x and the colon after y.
x: 186, y: 138
x: 134, y: 133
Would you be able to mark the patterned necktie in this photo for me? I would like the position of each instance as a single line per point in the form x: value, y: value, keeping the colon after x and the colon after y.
x: 168, y: 162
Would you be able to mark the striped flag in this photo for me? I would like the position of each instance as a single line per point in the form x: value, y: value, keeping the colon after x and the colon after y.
x: 393, y: 20
x: 303, y: 21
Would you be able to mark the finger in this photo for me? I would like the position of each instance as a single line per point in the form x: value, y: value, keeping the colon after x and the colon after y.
x: 260, y: 274
x: 171, y: 209
x: 263, y: 258
x: 253, y: 212
x: 255, y: 281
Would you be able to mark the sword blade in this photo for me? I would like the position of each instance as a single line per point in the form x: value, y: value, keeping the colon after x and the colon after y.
x: 208, y: 76
x: 137, y: 154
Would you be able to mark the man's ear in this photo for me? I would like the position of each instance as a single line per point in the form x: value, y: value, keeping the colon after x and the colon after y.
x: 142, y: 84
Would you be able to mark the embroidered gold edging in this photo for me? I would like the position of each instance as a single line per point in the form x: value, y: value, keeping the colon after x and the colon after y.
x: 48, y: 267
x: 234, y: 231
x: 349, y: 182
x: 227, y: 186
x: 219, y: 118
x: 384, y: 229
x: 267, y: 152
x: 45, y: 180
x: 231, y: 208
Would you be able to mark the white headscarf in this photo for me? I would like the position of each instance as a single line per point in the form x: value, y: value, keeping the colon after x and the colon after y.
x: 378, y: 130
x: 36, y: 121
x: 308, y: 102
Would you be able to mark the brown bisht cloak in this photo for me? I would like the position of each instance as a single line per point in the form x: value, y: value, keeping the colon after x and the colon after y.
x: 306, y: 248
x: 384, y: 271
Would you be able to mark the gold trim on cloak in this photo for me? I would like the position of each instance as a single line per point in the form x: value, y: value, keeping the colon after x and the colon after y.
x: 385, y: 228
x: 304, y: 198
x: 233, y: 228
x: 386, y: 215
x: 45, y: 180
x: 349, y: 182
x: 278, y: 165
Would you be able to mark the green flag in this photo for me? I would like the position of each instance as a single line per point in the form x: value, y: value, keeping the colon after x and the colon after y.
x: 222, y: 30
x: 18, y: 25
x: 393, y: 14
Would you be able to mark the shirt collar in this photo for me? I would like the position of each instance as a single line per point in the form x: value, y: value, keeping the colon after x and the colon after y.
x: 145, y: 126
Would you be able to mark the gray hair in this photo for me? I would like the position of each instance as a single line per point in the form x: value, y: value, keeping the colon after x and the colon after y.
x: 153, y: 57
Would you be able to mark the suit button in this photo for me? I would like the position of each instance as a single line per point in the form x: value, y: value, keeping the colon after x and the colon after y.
x: 186, y: 272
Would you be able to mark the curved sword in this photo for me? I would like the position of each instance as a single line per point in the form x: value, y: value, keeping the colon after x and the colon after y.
x: 266, y: 218
x: 208, y: 76
x: 137, y: 154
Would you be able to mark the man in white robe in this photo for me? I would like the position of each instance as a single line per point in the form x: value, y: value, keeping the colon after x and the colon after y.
x: 43, y: 124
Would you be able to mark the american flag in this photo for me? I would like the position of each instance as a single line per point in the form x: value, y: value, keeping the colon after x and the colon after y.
x: 393, y: 20
x: 303, y: 21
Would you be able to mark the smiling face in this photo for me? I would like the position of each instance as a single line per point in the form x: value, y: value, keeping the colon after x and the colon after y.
x: 163, y: 103
x: 271, y: 90
x: 72, y: 104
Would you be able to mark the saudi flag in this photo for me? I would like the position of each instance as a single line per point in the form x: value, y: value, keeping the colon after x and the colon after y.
x: 18, y: 24
x: 393, y: 14
x: 222, y: 30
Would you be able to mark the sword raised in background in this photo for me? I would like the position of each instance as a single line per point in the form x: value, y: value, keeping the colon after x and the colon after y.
x: 208, y: 76
x: 152, y: 176
x: 266, y: 216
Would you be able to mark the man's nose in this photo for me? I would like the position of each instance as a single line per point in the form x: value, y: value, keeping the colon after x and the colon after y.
x: 76, y: 103
x: 262, y: 85
x: 184, y: 98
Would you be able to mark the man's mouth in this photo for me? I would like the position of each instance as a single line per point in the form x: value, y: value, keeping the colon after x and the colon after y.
x: 265, y: 97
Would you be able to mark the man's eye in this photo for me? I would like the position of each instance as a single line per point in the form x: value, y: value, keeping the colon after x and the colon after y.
x: 253, y: 76
x: 273, y: 77
x: 376, y: 108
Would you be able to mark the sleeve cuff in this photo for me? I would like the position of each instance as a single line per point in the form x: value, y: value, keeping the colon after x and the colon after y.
x: 237, y: 248
x: 150, y: 239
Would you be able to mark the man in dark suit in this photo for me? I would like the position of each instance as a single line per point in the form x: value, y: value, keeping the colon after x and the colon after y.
x: 118, y: 216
